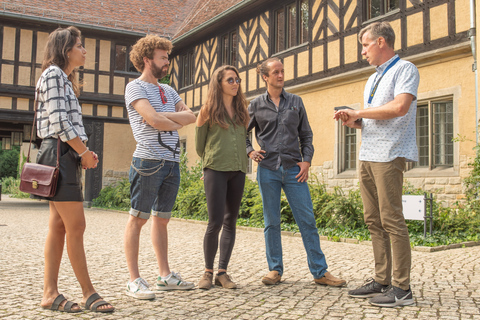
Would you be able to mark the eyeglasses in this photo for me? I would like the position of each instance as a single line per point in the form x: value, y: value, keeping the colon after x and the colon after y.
x: 162, y: 95
x: 232, y: 80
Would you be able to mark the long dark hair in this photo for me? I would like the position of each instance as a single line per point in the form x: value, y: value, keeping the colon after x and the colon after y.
x: 59, y: 43
x: 214, y: 111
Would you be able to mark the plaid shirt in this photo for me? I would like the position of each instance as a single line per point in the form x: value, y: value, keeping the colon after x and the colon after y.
x: 59, y: 114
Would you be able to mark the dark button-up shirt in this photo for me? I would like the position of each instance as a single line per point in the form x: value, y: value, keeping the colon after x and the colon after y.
x: 284, y: 133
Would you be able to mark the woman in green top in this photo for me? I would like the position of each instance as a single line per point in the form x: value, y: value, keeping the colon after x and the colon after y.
x: 220, y: 142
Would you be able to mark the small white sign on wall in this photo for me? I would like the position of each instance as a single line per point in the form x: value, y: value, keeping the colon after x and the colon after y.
x: 413, y: 207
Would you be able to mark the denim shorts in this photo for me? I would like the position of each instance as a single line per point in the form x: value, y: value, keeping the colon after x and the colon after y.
x: 153, y: 187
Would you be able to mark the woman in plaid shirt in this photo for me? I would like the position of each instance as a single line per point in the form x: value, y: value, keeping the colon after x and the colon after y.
x: 59, y: 116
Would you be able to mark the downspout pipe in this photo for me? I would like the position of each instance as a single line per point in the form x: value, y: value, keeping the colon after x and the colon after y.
x: 472, y: 33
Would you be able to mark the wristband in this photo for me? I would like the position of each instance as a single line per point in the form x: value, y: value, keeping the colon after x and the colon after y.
x: 86, y: 150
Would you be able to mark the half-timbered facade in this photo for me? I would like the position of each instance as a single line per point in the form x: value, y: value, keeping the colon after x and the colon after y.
x: 109, y: 29
x: 317, y: 41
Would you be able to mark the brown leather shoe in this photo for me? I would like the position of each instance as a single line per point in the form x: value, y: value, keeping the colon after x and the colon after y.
x: 329, y: 280
x: 206, y: 282
x: 272, y: 278
x: 225, y: 281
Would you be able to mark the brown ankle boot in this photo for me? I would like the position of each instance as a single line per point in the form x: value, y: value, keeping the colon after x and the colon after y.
x: 225, y: 281
x: 206, y: 282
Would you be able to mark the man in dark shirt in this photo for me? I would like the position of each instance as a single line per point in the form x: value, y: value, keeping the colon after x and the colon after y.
x: 285, y: 138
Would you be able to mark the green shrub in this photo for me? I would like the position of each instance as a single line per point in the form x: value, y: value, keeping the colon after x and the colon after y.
x: 114, y: 197
x: 9, y: 162
x: 10, y: 185
x: 338, y: 214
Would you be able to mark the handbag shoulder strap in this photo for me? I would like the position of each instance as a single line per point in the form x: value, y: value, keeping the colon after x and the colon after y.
x: 33, y: 130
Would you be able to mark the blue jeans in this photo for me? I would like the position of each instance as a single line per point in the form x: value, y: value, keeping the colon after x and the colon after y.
x: 153, y: 187
x: 271, y: 183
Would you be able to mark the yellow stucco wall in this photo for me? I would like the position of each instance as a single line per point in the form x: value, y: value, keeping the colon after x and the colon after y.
x: 118, y: 85
x: 438, y: 22
x: 302, y: 65
x: 22, y: 104
x: 288, y: 65
x: 188, y: 133
x: 252, y: 79
x: 41, y: 42
x: 5, y: 103
x: 7, y: 74
x: 119, y: 145
x: 90, y: 46
x: 351, y: 47
x: 25, y: 54
x: 103, y: 84
x: 87, y: 109
x: 24, y: 76
x: 415, y: 29
x: 333, y: 54
x: 317, y: 59
x: 462, y: 15
x: 88, y: 82
x: 104, y: 63
x: 396, y: 26
x: 117, y: 112
x: 8, y: 47
x: 102, y: 111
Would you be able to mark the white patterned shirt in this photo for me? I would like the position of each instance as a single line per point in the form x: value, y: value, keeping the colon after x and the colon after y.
x: 152, y: 143
x: 58, y: 114
x: 386, y: 140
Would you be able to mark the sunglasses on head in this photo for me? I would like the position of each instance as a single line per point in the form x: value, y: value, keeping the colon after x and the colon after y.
x: 233, y: 80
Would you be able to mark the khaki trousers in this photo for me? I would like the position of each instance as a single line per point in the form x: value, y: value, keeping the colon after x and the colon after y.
x: 381, y: 188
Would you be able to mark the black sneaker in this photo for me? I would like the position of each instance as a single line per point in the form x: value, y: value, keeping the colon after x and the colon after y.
x: 369, y: 289
x: 393, y: 297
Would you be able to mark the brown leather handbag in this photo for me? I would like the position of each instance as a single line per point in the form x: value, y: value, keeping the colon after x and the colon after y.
x: 39, y: 179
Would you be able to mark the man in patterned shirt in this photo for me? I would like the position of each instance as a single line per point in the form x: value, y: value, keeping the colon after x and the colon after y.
x: 388, y: 141
x: 155, y: 113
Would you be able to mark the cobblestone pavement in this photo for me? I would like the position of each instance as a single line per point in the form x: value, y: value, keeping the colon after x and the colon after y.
x: 445, y: 284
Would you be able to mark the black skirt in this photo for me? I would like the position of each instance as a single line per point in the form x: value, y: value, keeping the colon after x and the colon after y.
x: 69, y: 186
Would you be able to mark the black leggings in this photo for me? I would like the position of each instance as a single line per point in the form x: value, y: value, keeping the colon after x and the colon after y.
x: 224, y: 190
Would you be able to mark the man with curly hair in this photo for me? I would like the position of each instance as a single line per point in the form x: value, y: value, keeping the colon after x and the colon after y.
x: 155, y: 112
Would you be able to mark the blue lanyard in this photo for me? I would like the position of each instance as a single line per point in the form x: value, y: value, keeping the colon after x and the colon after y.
x: 375, y: 84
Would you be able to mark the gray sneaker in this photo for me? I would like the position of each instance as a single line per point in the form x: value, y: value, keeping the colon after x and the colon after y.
x: 393, y: 297
x: 139, y: 289
x: 173, y: 282
x: 369, y: 289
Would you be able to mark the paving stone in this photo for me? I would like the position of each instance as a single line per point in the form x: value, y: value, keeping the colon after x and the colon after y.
x: 445, y: 284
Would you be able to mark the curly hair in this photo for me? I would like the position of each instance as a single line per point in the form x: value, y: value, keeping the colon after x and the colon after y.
x: 214, y: 111
x: 145, y: 47
x: 59, y: 43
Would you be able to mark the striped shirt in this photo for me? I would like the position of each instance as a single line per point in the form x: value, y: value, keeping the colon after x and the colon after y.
x: 152, y: 143
x: 59, y: 114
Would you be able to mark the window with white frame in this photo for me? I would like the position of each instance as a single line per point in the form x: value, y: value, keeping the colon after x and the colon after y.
x: 122, y: 61
x: 291, y: 25
x: 187, y: 69
x: 183, y: 146
x: 229, y: 48
x: 375, y: 8
x: 435, y: 134
x: 347, y: 153
x: 249, y: 163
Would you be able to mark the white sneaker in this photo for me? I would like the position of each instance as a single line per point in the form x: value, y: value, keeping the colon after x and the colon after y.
x: 139, y: 290
x: 173, y: 282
